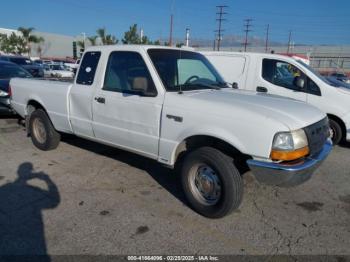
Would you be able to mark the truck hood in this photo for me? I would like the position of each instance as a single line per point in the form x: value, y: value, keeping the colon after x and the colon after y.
x: 225, y: 102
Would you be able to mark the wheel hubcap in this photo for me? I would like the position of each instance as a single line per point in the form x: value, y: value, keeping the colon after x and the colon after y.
x: 39, y: 130
x: 332, y: 132
x: 205, y: 184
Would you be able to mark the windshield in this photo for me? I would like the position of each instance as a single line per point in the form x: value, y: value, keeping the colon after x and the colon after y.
x: 319, y: 76
x: 185, y: 70
x: 56, y: 67
x: 8, y: 71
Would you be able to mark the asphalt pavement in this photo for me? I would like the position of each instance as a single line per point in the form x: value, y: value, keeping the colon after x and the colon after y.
x: 87, y: 198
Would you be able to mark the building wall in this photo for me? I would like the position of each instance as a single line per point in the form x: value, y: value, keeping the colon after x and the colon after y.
x: 54, y: 46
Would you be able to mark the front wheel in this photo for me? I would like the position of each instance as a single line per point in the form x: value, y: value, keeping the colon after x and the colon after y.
x: 43, y: 134
x: 336, y: 131
x: 212, y: 184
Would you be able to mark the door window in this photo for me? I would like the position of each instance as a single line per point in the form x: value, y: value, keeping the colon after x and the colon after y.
x: 126, y: 73
x: 88, y: 68
x: 281, y: 73
x: 312, y: 88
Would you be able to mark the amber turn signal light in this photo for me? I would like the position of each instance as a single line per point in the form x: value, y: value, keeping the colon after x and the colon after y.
x: 289, y: 155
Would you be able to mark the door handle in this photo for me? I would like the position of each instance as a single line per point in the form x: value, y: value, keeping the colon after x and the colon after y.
x: 261, y: 89
x: 100, y: 100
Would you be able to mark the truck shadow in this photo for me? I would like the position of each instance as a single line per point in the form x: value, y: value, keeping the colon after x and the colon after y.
x: 165, y: 177
x: 21, y: 220
x: 344, y: 144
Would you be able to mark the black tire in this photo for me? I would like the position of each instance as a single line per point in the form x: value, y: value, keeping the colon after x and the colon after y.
x: 48, y: 138
x: 231, y: 185
x: 336, y: 132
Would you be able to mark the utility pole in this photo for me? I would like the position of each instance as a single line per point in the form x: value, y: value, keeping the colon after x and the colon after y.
x: 289, y: 41
x: 187, y: 39
x: 220, y: 14
x: 141, y: 35
x: 267, y: 38
x: 247, y: 25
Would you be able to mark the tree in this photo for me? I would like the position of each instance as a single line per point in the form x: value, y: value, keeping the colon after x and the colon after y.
x: 81, y: 44
x: 101, y: 33
x: 106, y: 39
x: 13, y: 44
x: 29, y: 38
x: 92, y: 40
x: 111, y: 40
x: 180, y: 44
x: 39, y: 47
x: 131, y: 36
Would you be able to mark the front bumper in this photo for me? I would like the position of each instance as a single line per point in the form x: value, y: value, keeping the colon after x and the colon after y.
x: 287, y: 175
x: 5, y: 106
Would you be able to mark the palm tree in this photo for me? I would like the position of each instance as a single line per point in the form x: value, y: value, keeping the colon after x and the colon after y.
x: 101, y: 33
x: 29, y: 37
x: 93, y: 39
x: 111, y: 40
x: 106, y: 39
x: 81, y: 44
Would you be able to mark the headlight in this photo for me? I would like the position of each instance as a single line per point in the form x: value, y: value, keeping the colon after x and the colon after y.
x: 289, y: 145
x: 3, y: 93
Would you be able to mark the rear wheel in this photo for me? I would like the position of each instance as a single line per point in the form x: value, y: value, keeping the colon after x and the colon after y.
x: 336, y: 131
x: 212, y: 184
x: 43, y: 134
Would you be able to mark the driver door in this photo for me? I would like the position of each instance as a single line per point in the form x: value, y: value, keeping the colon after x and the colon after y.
x: 125, y: 117
x: 281, y: 78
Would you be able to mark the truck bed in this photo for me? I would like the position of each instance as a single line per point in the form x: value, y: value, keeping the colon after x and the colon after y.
x: 52, y: 94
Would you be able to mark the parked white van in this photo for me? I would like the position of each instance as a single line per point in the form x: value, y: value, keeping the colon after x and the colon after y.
x: 285, y: 76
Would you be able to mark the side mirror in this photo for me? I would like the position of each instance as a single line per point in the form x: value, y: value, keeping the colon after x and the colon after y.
x: 299, y: 82
x: 234, y: 85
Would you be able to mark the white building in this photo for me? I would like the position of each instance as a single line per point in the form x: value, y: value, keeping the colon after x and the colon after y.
x: 55, y: 45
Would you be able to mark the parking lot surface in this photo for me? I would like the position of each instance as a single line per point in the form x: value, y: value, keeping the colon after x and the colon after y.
x: 87, y: 198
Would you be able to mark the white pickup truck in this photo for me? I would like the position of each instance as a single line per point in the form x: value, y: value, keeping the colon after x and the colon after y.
x: 172, y: 106
x: 285, y: 76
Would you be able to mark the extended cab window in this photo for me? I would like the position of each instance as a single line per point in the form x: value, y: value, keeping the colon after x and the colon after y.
x: 88, y: 68
x: 283, y: 74
x: 127, y: 73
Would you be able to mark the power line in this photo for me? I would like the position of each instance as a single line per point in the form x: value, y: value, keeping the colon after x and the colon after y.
x: 247, y: 25
x: 220, y: 19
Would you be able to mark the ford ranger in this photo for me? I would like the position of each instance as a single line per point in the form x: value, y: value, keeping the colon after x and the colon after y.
x: 171, y: 105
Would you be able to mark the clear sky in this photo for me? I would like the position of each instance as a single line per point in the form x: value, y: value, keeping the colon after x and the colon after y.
x: 311, y: 21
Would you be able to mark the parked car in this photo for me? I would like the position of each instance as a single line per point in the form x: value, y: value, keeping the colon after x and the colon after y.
x: 341, y: 77
x: 285, y: 76
x: 26, y: 63
x: 172, y: 106
x: 7, y: 71
x: 57, y: 70
x: 73, y: 66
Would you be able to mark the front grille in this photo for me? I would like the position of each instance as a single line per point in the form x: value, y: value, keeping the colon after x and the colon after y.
x: 317, y: 135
